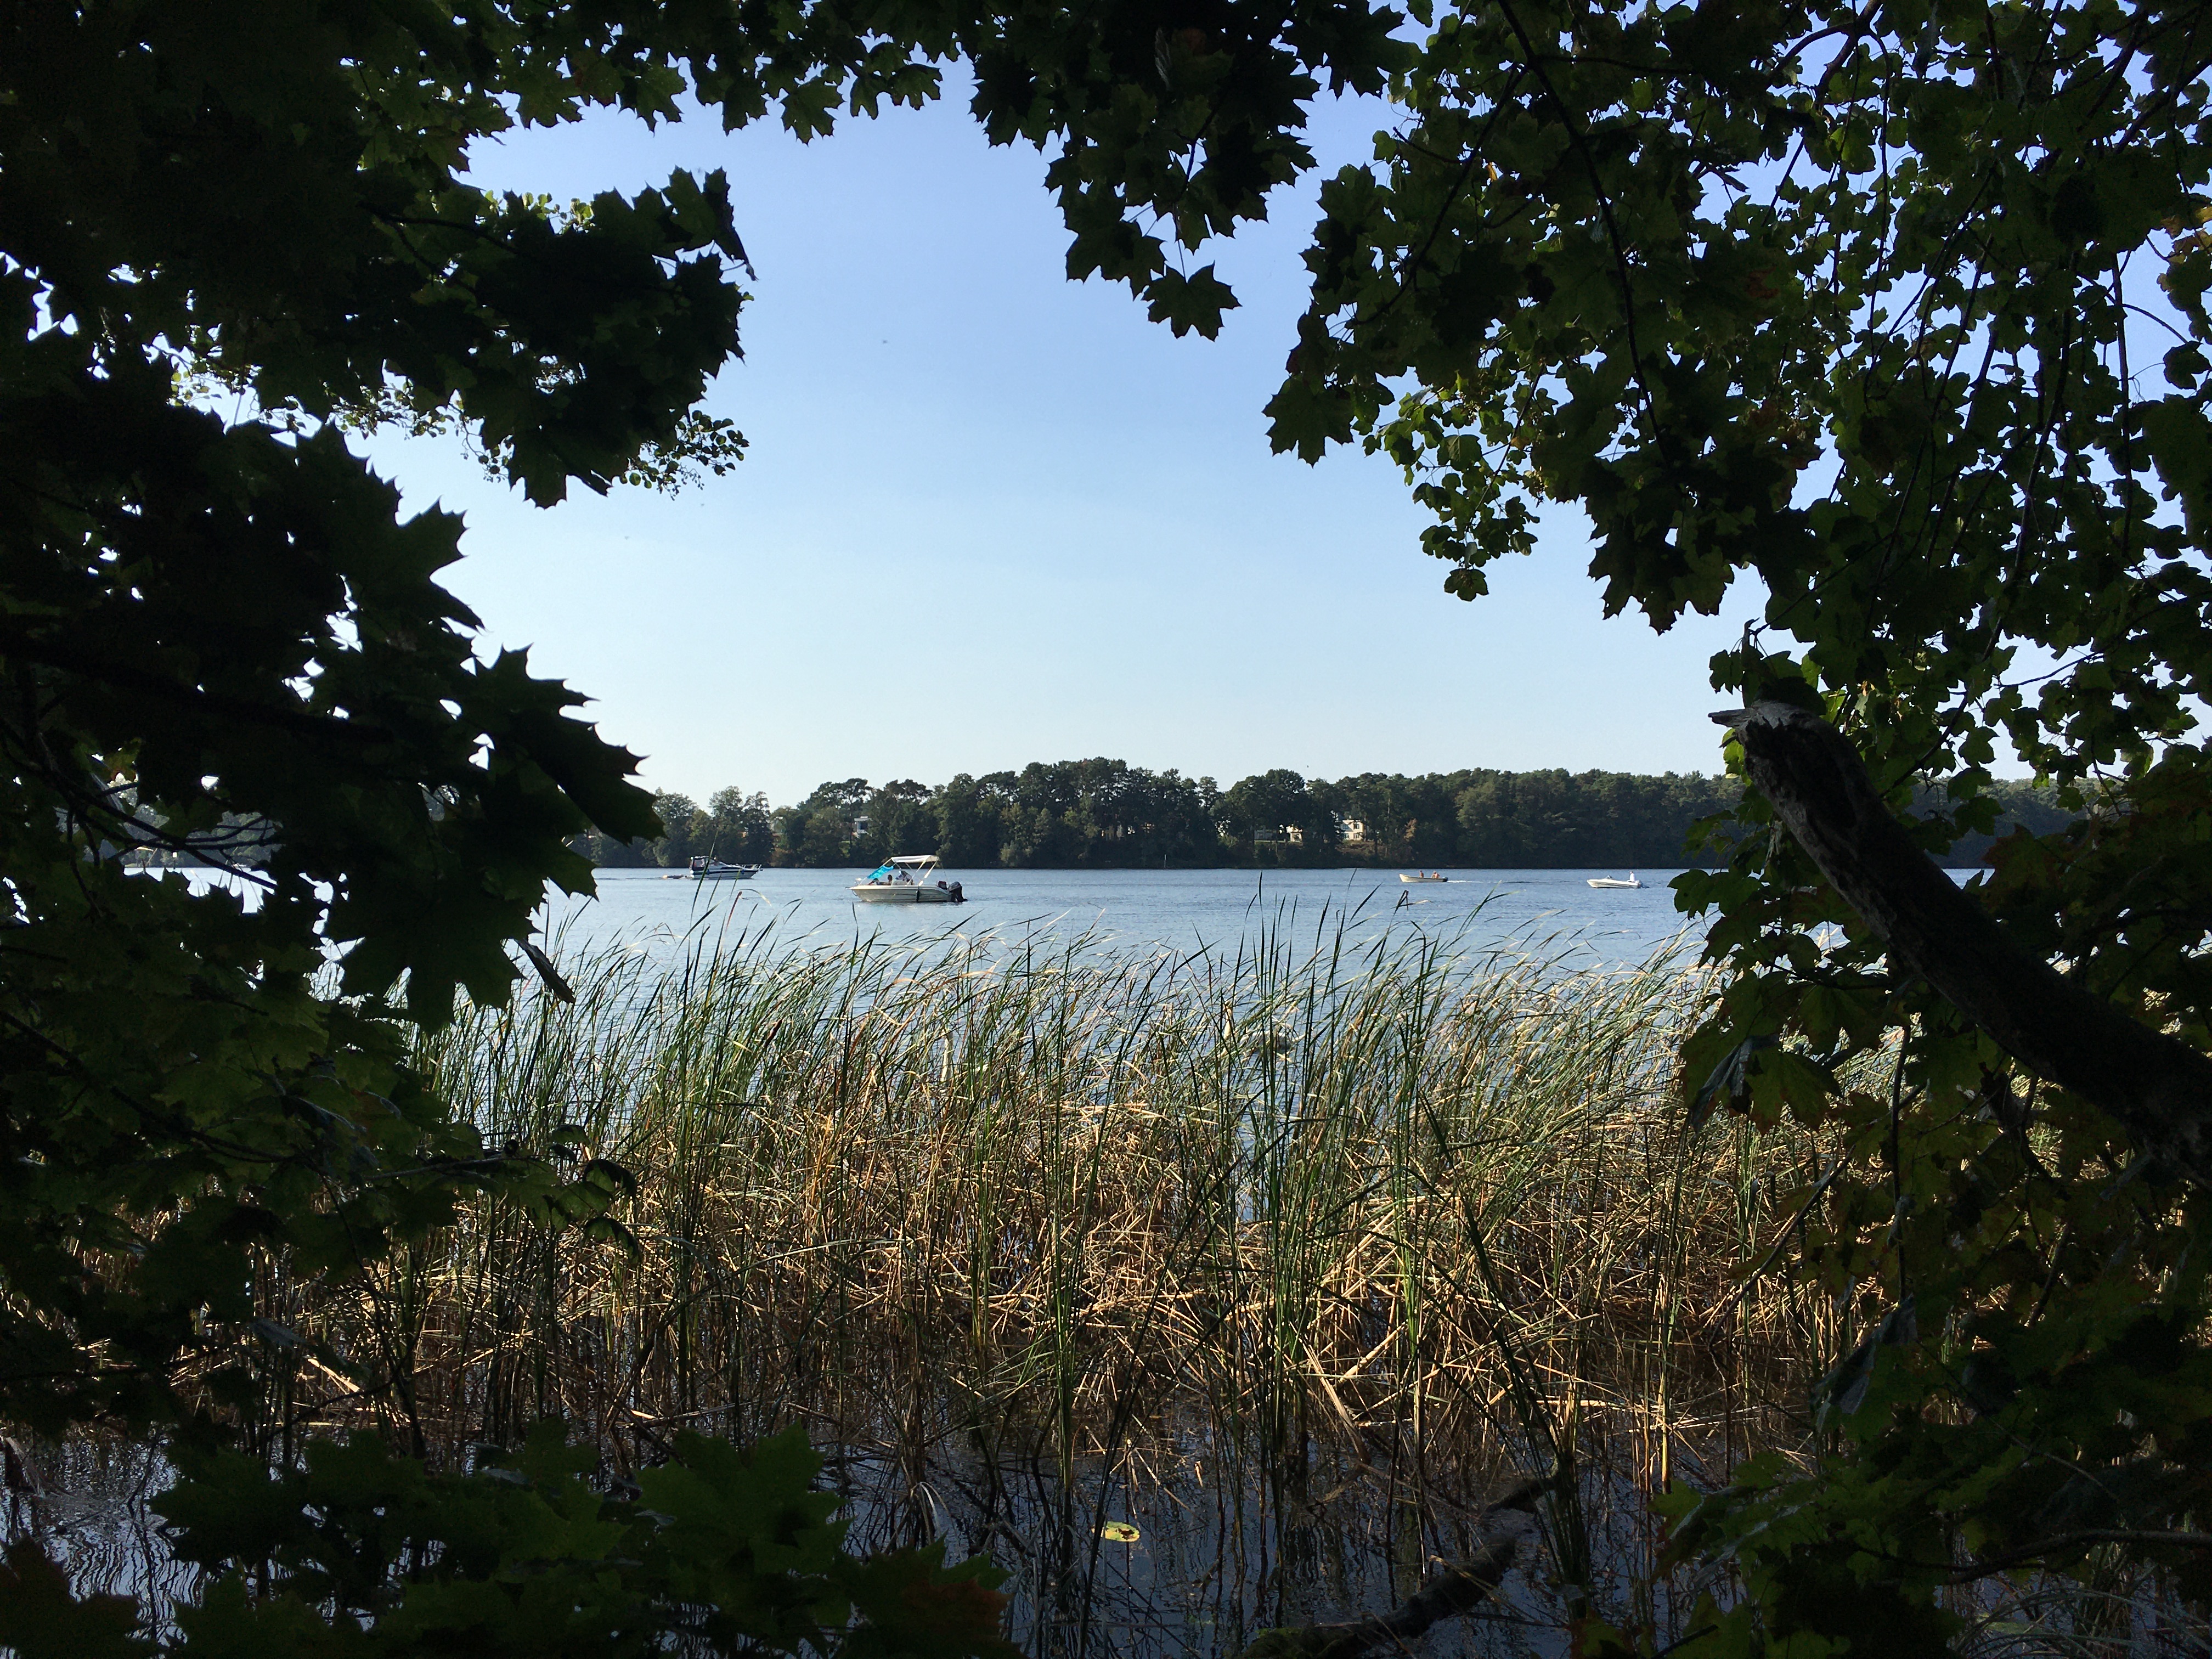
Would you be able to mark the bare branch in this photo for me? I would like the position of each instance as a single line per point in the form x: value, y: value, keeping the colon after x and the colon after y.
x: 1456, y: 1589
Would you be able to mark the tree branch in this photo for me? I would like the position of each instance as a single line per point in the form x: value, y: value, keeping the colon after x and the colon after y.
x: 1456, y: 1589
x: 2158, y: 1088
x: 2070, y: 1542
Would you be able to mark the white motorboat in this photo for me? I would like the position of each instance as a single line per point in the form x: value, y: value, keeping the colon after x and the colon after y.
x: 707, y: 869
x: 909, y: 879
x: 1425, y: 875
x: 1615, y: 881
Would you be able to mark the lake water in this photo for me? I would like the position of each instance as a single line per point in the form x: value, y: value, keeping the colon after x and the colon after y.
x: 1554, y: 913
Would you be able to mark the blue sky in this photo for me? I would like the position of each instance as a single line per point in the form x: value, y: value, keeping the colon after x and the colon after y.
x: 990, y: 516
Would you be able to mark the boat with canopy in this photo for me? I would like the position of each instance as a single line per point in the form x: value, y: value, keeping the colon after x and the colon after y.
x: 906, y: 880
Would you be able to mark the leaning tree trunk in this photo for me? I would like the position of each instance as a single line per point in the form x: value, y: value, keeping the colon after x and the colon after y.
x: 2158, y: 1088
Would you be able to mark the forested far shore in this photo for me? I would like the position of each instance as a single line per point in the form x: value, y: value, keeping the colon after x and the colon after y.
x: 1107, y: 814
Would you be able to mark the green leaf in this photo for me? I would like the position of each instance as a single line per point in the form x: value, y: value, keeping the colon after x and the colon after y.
x: 40, y: 1618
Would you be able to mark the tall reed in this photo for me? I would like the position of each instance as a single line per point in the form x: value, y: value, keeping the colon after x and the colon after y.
x: 1357, y: 1187
x: 1035, y: 1231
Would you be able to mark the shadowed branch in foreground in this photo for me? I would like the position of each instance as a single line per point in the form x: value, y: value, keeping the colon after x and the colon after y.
x: 2158, y: 1088
x: 1457, y: 1589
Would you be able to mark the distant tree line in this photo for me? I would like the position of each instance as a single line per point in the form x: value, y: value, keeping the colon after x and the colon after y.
x: 1107, y: 814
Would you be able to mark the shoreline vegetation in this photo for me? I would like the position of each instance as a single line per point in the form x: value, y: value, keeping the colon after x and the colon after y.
x: 1106, y: 814
x: 1283, y: 1261
x: 1337, y: 1231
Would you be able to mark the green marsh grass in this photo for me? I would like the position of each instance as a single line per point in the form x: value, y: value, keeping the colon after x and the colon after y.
x: 1339, y: 1186
x: 1347, y: 1215
x: 1286, y: 1254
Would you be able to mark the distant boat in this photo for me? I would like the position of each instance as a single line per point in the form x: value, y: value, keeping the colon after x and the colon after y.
x: 1615, y: 881
x: 1425, y: 875
x: 907, y: 881
x: 707, y: 869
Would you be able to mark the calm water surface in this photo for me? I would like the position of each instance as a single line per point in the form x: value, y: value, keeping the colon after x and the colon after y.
x: 1555, y: 913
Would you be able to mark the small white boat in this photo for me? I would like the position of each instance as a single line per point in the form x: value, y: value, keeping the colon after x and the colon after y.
x: 707, y: 869
x: 1615, y: 881
x: 906, y: 880
x: 1425, y: 875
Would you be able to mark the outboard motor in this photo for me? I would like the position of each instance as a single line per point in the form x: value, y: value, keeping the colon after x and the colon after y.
x: 954, y: 890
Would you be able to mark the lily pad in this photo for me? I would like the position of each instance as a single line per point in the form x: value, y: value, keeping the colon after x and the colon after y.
x: 1118, y: 1532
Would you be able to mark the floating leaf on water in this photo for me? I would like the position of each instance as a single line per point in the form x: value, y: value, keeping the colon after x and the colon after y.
x: 1118, y: 1532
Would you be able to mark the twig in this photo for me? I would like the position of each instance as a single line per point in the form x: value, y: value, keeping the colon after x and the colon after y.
x: 1456, y: 1589
x: 2073, y: 1541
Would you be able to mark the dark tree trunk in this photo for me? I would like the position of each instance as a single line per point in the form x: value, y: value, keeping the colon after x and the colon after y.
x: 2158, y: 1088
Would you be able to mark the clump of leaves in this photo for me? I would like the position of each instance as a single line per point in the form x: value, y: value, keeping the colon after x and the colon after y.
x: 357, y: 1552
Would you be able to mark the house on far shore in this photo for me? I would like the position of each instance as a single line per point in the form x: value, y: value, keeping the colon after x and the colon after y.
x: 1355, y: 830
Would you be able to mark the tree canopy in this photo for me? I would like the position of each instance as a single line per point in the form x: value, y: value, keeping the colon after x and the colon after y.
x: 1107, y: 814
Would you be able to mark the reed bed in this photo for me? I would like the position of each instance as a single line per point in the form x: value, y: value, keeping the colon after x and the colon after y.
x: 1278, y: 1259
x: 1343, y: 1207
x: 1362, y: 1186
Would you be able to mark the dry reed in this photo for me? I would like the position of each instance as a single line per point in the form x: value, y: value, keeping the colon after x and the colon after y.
x: 1370, y: 1190
x: 1030, y: 1230
x: 1033, y: 1231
